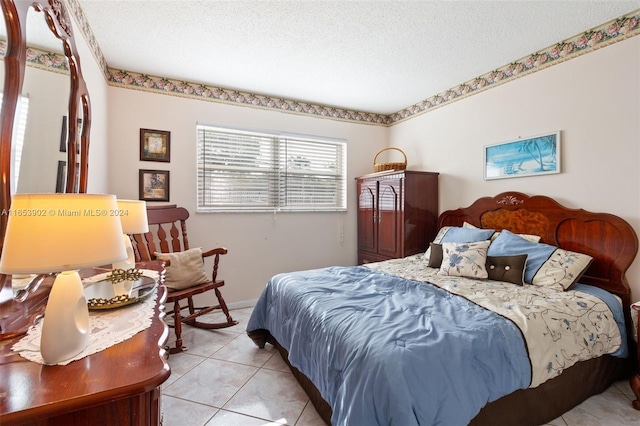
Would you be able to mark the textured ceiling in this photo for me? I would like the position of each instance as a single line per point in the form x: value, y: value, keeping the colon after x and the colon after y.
x: 374, y: 56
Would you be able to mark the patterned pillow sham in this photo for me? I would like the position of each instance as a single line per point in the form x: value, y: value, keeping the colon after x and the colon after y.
x: 457, y: 234
x: 546, y: 265
x: 467, y: 259
x: 507, y: 268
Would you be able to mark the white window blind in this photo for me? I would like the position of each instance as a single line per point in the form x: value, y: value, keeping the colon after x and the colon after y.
x: 257, y: 171
x: 19, y: 128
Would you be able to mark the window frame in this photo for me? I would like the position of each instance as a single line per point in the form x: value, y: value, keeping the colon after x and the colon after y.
x: 282, y: 182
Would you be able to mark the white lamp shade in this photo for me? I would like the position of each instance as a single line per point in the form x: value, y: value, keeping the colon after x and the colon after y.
x: 59, y: 232
x: 133, y: 216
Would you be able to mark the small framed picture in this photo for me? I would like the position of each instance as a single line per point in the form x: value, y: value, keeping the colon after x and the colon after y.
x: 62, y: 176
x: 154, y: 185
x: 155, y: 145
x: 63, y: 135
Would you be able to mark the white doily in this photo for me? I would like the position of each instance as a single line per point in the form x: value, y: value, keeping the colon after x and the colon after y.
x: 107, y: 328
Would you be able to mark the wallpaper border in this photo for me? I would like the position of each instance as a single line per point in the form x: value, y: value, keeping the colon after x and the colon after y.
x: 603, y: 35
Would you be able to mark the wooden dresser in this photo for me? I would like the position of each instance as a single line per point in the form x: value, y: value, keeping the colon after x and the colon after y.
x: 397, y: 214
x: 118, y: 386
x: 634, y: 382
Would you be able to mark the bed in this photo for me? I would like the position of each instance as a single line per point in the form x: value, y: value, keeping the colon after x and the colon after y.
x: 401, y: 342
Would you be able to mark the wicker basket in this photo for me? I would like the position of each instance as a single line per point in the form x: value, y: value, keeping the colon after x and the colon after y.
x: 381, y: 167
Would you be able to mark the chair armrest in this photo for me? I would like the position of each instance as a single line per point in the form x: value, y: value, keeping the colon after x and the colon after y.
x: 215, y: 252
x: 166, y: 261
x: 219, y: 250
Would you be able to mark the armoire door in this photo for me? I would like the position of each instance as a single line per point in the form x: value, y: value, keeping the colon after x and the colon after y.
x: 367, y: 215
x: 390, y: 217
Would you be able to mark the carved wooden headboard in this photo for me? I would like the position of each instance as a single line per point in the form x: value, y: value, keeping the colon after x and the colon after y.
x: 609, y: 239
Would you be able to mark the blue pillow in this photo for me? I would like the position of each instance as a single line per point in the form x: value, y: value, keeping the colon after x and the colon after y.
x: 509, y: 244
x: 466, y: 235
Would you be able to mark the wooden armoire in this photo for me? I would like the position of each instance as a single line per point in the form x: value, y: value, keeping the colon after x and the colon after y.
x: 397, y: 214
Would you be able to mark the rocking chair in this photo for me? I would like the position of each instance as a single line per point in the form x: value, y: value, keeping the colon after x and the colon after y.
x: 169, y: 221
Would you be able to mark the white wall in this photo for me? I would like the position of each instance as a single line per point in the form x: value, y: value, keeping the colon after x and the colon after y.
x: 99, y: 162
x: 48, y: 94
x: 593, y: 99
x: 260, y: 245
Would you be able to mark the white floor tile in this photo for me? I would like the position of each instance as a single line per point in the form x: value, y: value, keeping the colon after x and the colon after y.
x: 242, y: 350
x: 310, y: 417
x: 212, y: 382
x: 276, y: 363
x: 610, y: 408
x: 180, y: 412
x: 270, y: 395
x: 207, y: 342
x: 227, y: 418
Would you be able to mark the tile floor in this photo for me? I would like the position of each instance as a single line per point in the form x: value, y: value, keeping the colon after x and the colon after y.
x: 225, y: 380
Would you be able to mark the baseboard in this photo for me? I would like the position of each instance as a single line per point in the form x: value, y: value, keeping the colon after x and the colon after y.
x: 242, y: 304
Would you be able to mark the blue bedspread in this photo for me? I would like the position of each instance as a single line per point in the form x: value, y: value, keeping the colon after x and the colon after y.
x: 388, y: 351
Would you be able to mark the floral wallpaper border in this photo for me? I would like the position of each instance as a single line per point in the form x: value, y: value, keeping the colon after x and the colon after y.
x: 613, y: 31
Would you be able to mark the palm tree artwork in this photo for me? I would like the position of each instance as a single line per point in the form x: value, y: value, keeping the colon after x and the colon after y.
x: 523, y: 157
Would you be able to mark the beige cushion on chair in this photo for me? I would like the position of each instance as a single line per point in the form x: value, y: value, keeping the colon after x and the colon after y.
x: 185, y: 270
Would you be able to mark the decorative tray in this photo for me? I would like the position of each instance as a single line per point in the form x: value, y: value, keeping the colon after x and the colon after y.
x: 101, y: 294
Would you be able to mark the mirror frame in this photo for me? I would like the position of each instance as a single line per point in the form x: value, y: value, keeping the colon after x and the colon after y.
x: 19, y: 315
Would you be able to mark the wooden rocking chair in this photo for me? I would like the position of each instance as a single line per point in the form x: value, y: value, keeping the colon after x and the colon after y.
x: 168, y: 234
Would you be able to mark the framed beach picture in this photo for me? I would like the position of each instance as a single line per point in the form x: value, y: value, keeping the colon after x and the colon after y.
x: 155, y: 145
x: 154, y: 185
x: 533, y: 156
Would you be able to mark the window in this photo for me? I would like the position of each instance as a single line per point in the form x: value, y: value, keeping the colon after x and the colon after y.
x: 19, y: 128
x: 258, y: 171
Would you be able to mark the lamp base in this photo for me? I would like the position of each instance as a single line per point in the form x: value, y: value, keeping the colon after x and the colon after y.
x: 65, y: 328
x: 124, y: 288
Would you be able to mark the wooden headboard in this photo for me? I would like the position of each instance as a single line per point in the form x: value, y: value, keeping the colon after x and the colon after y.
x: 609, y: 239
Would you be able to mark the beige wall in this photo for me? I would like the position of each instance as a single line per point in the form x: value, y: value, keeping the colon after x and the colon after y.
x: 594, y: 100
x: 260, y: 245
x: 99, y: 162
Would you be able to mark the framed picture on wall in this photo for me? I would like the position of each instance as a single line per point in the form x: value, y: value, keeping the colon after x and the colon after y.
x: 155, y: 145
x: 61, y: 179
x: 154, y: 185
x: 532, y: 156
x: 63, y: 135
x: 62, y: 176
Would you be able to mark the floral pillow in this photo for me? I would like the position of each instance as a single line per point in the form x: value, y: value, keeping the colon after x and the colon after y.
x: 464, y: 259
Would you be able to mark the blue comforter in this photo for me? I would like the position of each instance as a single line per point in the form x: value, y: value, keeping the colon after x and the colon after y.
x: 388, y: 351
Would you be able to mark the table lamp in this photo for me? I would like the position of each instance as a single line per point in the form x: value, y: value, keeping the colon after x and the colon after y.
x: 133, y: 217
x: 62, y: 233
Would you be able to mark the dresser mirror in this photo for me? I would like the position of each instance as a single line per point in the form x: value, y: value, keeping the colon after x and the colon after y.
x: 40, y: 145
x: 44, y: 27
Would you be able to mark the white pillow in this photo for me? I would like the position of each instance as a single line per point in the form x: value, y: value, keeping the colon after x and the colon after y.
x: 465, y: 259
x: 185, y: 270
